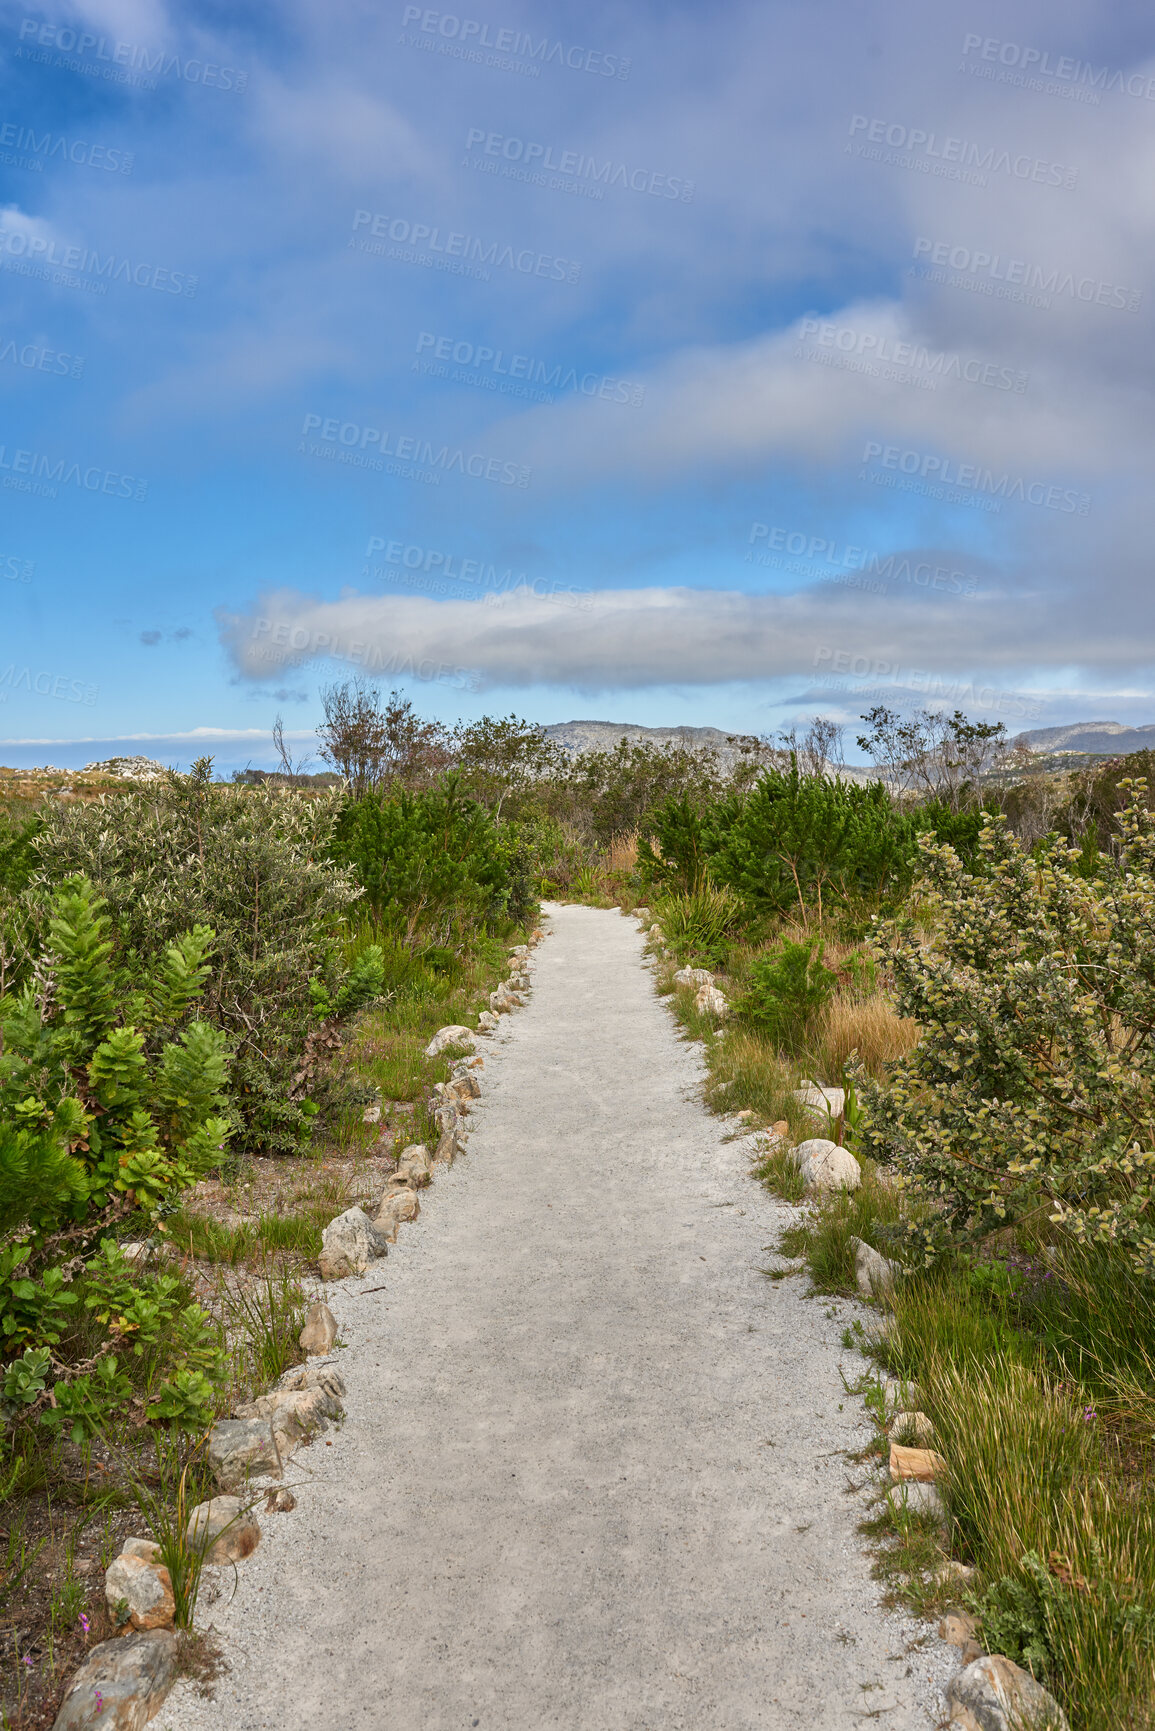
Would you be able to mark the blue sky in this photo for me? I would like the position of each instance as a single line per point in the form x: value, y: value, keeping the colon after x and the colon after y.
x: 674, y: 364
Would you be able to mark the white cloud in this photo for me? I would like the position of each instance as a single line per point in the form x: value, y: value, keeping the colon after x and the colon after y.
x: 632, y: 639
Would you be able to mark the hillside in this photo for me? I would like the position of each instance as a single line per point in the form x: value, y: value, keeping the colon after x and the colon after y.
x: 1103, y: 738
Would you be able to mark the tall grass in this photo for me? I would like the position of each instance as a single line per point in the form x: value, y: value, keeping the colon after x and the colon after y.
x: 698, y: 926
x: 869, y: 1026
x: 1068, y: 1548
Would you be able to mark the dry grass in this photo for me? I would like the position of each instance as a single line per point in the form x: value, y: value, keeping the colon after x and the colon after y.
x: 868, y: 1026
x: 622, y: 853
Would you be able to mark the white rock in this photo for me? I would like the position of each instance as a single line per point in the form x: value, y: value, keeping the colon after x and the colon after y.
x: 826, y: 1166
x: 711, y: 1002
x: 240, y: 1446
x: 655, y: 930
x: 371, y: 1115
x: 487, y: 1021
x: 454, y: 1035
x: 992, y: 1694
x: 915, y: 1497
x: 642, y: 914
x: 907, y: 1425
x: 696, y: 977
x: 349, y: 1244
x: 401, y: 1205
x: 144, y: 1588
x: 414, y: 1164
x: 875, y: 1274
x: 450, y: 1145
x: 226, y: 1528
x: 320, y: 1330
x: 128, y: 1677
x: 821, y: 1099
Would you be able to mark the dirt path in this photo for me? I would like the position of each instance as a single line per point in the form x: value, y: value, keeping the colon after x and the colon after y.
x: 590, y: 1476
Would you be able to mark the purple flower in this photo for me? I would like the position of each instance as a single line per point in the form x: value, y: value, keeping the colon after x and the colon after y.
x: 27, y: 1661
x: 1089, y: 1413
x: 84, y: 1624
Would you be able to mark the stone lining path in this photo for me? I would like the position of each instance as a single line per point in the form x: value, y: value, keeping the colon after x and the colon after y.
x: 591, y: 1475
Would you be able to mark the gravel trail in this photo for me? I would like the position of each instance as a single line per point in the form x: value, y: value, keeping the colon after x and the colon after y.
x: 592, y: 1474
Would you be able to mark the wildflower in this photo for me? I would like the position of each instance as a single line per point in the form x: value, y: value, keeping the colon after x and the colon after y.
x: 84, y: 1623
x: 1088, y: 1414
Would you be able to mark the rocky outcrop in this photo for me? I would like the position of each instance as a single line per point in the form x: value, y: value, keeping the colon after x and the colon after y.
x: 454, y: 1035
x: 240, y: 1448
x: 320, y: 1330
x: 873, y: 1272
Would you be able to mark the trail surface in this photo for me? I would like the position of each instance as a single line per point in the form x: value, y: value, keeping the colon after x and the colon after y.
x: 592, y: 1473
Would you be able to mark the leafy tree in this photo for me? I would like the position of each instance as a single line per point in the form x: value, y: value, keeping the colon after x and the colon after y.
x: 373, y: 746
x: 609, y: 794
x: 806, y: 841
x: 504, y: 759
x: 786, y: 991
x: 935, y: 756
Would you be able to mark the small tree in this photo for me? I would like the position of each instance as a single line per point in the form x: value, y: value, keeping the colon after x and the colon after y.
x: 935, y: 756
x: 504, y: 758
x: 372, y: 746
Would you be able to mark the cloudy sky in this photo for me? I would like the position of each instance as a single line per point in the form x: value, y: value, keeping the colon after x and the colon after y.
x: 668, y: 364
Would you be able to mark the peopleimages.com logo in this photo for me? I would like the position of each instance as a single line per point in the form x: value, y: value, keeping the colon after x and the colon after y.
x: 37, y: 358
x: 921, y: 147
x: 1038, y: 63
x: 470, y: 35
x: 42, y: 684
x: 361, y: 445
x: 460, y: 254
x: 34, y: 255
x: 1015, y: 278
x: 123, y: 62
x: 880, y: 568
x: 845, y: 665
x: 539, y: 159
x: 516, y: 375
x: 436, y: 571
x: 973, y: 478
x: 42, y: 147
x: 33, y: 472
x: 882, y: 356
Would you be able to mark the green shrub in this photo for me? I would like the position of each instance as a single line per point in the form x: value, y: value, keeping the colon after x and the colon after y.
x: 432, y: 862
x: 1031, y: 1093
x: 789, y: 841
x: 251, y: 863
x: 697, y: 925
x: 786, y: 993
x: 91, y: 1108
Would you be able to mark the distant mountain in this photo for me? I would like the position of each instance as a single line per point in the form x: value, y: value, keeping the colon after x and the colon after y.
x: 1105, y: 738
x: 578, y: 736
